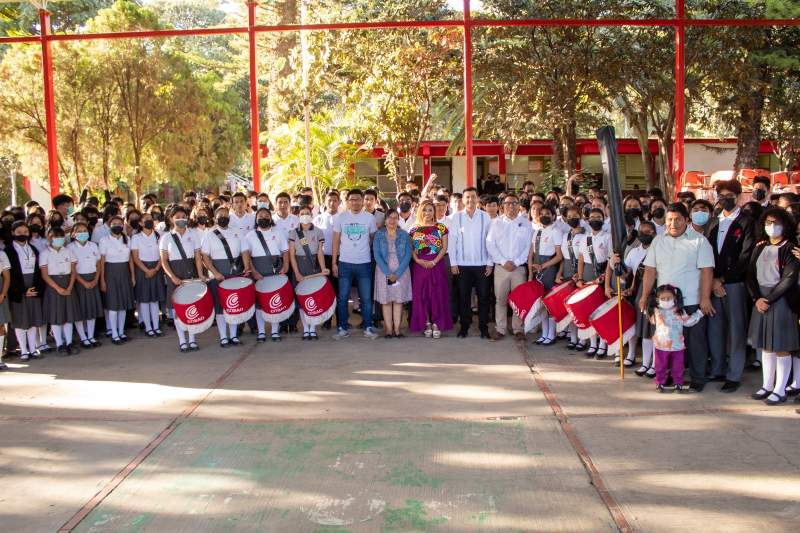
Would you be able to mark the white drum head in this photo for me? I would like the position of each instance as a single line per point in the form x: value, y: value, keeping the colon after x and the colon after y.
x: 582, y: 294
x: 603, y: 309
x: 310, y: 285
x: 271, y: 283
x: 189, y: 293
x: 236, y: 283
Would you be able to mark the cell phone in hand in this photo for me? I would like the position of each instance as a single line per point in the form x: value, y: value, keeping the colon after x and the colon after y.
x: 389, y: 282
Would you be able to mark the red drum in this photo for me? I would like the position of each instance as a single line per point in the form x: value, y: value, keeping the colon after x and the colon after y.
x: 238, y: 299
x: 275, y: 297
x: 581, y: 304
x: 526, y: 302
x: 605, y: 321
x: 317, y: 300
x: 194, y: 307
x: 555, y: 301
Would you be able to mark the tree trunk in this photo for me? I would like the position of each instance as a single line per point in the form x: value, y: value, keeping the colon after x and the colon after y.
x: 570, y: 151
x: 748, y: 135
x: 557, y: 160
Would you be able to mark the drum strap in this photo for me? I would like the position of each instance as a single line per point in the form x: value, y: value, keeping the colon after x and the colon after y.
x: 536, y: 243
x: 235, y: 263
x: 266, y: 251
x: 308, y: 258
x: 591, y: 254
x: 572, y: 258
x: 179, y: 245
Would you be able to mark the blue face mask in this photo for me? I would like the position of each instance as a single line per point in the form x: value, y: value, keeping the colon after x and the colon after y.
x: 58, y: 242
x: 263, y: 205
x: 700, y: 218
x: 70, y: 210
x: 82, y: 237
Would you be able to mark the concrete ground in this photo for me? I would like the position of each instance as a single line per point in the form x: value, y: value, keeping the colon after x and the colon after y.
x: 384, y: 435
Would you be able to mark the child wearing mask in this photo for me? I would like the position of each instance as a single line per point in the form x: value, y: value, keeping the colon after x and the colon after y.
x: 668, y: 317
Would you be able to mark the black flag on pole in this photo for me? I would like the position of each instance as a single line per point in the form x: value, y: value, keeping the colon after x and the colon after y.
x: 608, y: 155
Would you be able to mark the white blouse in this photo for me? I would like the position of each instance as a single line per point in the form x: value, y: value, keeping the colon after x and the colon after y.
x: 58, y: 262
x: 87, y: 255
x: 767, y: 271
x: 188, y: 241
x: 275, y: 239
x: 115, y: 250
x: 549, y: 240
x: 146, y: 245
x: 213, y: 248
x: 27, y: 257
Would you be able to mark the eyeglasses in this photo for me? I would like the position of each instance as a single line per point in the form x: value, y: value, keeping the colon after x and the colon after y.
x: 510, y: 203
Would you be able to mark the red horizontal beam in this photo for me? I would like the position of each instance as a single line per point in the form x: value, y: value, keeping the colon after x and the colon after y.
x: 405, y: 24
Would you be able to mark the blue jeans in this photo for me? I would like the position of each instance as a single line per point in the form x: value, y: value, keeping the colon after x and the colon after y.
x: 363, y: 274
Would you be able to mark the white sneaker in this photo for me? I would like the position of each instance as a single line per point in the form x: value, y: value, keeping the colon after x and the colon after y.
x: 370, y: 334
x: 341, y: 334
x: 436, y: 333
x: 428, y: 331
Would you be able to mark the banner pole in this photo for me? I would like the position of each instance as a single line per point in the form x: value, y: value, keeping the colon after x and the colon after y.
x: 621, y: 341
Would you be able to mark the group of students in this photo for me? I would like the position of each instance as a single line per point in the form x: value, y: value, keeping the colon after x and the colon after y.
x: 440, y: 257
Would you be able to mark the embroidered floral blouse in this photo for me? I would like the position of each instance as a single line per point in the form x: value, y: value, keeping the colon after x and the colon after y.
x: 428, y: 240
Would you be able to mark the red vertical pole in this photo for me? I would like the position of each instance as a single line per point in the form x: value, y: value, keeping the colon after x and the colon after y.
x: 680, y: 74
x: 254, y: 127
x: 49, y: 104
x: 468, y: 90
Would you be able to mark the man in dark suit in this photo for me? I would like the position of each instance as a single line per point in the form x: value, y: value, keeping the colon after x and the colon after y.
x: 732, y: 236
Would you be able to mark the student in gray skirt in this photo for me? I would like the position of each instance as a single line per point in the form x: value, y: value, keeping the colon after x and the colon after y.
x: 57, y: 264
x: 544, y: 259
x: 772, y: 283
x: 307, y: 257
x: 117, y: 278
x: 25, y: 291
x: 87, y: 284
x: 150, y: 289
x: 5, y: 312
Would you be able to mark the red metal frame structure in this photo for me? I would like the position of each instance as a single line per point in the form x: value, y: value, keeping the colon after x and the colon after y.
x: 680, y: 22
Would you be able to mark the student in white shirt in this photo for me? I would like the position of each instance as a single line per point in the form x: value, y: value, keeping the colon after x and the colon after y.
x: 180, y: 263
x: 568, y: 268
x: 242, y: 219
x: 543, y: 261
x: 283, y: 218
x: 117, y: 278
x: 265, y: 251
x: 658, y: 213
x: 595, y: 250
x: 150, y: 289
x: 405, y: 207
x: 87, y: 286
x: 221, y: 251
x: 508, y: 244
x: 5, y: 311
x: 324, y: 221
x: 25, y: 291
x: 57, y: 265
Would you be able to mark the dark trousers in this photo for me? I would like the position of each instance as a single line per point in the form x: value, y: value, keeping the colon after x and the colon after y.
x: 727, y: 332
x: 452, y: 282
x: 334, y: 281
x: 470, y: 277
x: 696, y: 340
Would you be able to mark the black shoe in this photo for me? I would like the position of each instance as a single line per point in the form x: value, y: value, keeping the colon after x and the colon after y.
x: 117, y: 342
x: 579, y: 347
x: 730, y: 386
x: 756, y: 365
x: 184, y: 347
x: 663, y: 390
x: 760, y: 394
x: 696, y: 387
x: 548, y: 342
x: 778, y: 400
x: 571, y: 346
x: 262, y: 337
x: 3, y: 366
x: 485, y: 335
x: 791, y: 391
x: 462, y: 334
x: 718, y: 379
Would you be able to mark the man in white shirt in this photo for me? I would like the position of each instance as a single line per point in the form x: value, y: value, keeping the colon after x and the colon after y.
x: 404, y: 205
x: 371, y: 206
x: 508, y: 244
x: 684, y: 259
x: 324, y: 221
x: 352, y: 259
x: 470, y: 262
x: 242, y: 219
x: 283, y: 217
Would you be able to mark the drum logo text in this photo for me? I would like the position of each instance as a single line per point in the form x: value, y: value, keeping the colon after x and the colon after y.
x: 192, y: 313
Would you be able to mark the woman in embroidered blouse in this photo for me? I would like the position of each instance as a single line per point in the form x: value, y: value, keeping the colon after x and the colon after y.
x: 430, y: 306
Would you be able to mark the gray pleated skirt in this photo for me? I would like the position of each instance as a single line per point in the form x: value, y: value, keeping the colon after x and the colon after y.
x: 5, y: 312
x: 224, y: 267
x: 548, y: 276
x: 90, y: 301
x: 150, y: 289
x: 644, y: 328
x: 776, y: 330
x: 119, y: 292
x: 27, y: 313
x: 568, y: 271
x: 59, y: 309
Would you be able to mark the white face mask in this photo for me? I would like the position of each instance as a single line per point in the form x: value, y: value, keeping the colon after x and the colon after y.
x: 773, y: 230
x: 305, y: 219
x: 666, y: 304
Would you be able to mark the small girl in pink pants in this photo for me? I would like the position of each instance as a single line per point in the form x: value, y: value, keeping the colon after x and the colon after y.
x: 666, y: 312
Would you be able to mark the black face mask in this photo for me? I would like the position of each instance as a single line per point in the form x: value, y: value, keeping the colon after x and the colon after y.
x: 659, y: 212
x: 405, y: 207
x: 264, y: 223
x: 546, y: 220
x: 35, y: 228
x: 574, y: 222
x: 21, y: 238
x: 563, y: 211
x: 646, y: 239
x: 222, y: 222
x: 596, y: 225
x: 202, y: 220
x: 117, y: 230
x: 149, y: 224
x: 135, y: 224
x: 56, y: 223
x: 759, y: 195
x: 728, y: 204
x: 634, y: 212
x: 92, y: 221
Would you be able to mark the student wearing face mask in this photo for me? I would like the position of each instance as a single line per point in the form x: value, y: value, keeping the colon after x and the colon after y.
x: 568, y: 268
x: 221, y: 251
x: 772, y: 282
x: 87, y: 284
x: 544, y: 258
x: 324, y: 221
x: 5, y: 311
x: 57, y: 265
x: 133, y: 222
x: 700, y: 214
x: 117, y: 279
x: 669, y: 318
x: 658, y: 213
x: 25, y: 291
x: 594, y: 253
x: 306, y: 256
x: 404, y: 207
x: 36, y: 226
x: 761, y: 187
x: 150, y: 289
x: 265, y: 251
x: 180, y: 260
